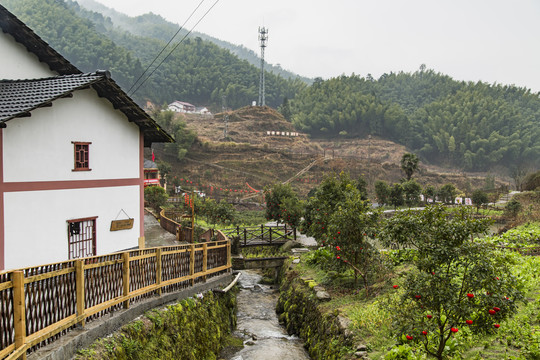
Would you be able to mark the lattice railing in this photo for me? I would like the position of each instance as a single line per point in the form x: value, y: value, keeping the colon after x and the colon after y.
x: 262, y: 235
x: 40, y: 304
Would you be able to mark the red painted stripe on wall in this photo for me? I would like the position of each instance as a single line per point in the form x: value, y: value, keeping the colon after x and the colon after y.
x: 68, y: 184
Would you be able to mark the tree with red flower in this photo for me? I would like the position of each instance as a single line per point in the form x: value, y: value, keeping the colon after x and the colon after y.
x: 463, y: 267
x: 347, y: 222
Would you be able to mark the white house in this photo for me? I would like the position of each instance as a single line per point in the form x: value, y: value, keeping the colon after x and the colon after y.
x: 183, y: 107
x: 71, y: 156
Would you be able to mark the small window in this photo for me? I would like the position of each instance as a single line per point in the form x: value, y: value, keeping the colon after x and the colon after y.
x: 82, y: 156
x: 82, y: 237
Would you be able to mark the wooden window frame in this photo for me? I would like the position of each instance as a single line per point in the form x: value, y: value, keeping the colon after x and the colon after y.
x: 78, y: 165
x: 92, y: 242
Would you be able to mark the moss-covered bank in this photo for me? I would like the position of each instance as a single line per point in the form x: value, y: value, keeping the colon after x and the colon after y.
x: 324, y: 334
x: 193, y: 329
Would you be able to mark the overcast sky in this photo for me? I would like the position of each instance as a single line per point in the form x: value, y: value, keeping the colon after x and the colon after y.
x: 487, y: 40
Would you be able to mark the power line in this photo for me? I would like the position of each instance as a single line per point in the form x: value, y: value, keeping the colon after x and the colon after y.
x: 174, y: 48
x: 162, y: 50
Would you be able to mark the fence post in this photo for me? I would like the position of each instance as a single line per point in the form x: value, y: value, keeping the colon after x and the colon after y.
x: 238, y: 230
x: 245, y: 236
x: 205, y: 260
x: 229, y: 260
x: 270, y: 234
x: 79, y: 286
x: 294, y: 234
x: 158, y: 270
x: 125, y: 277
x: 19, y: 311
x: 192, y: 263
x: 262, y: 232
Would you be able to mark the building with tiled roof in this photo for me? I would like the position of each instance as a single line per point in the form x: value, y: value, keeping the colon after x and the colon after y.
x: 71, y: 155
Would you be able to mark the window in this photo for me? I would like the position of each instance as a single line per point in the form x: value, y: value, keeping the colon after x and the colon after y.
x: 82, y: 156
x: 81, y: 237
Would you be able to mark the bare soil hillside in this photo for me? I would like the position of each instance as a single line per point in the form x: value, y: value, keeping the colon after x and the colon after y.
x: 249, y: 158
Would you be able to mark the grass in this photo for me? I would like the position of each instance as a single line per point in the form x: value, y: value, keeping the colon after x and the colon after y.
x: 371, y: 320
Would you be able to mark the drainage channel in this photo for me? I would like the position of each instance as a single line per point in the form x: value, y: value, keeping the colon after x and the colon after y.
x: 264, y: 338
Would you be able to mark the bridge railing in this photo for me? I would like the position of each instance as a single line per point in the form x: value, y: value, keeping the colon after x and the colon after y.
x: 40, y: 304
x: 262, y: 235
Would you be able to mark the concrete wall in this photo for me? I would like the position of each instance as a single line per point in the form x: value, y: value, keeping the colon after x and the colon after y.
x: 39, y: 148
x: 36, y: 228
x: 17, y: 63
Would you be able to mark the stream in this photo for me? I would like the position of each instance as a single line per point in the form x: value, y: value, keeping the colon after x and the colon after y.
x: 264, y: 338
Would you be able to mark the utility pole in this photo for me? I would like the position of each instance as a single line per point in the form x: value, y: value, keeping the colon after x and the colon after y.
x: 225, y: 115
x: 263, y: 37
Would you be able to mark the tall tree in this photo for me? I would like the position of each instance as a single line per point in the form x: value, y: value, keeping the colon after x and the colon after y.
x: 409, y: 164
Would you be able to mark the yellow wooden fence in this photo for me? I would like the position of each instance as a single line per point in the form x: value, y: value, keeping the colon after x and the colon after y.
x: 42, y: 303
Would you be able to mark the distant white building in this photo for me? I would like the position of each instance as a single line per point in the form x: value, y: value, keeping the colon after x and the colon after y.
x: 203, y: 111
x: 182, y: 107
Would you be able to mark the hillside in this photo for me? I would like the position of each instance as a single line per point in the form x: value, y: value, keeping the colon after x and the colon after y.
x: 156, y: 27
x: 451, y: 124
x: 472, y: 126
x: 250, y: 156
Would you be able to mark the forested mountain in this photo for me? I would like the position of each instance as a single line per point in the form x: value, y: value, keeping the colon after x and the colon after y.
x: 474, y: 126
x: 197, y: 71
x: 156, y: 27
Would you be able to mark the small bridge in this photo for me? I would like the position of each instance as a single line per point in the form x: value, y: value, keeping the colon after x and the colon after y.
x: 264, y: 235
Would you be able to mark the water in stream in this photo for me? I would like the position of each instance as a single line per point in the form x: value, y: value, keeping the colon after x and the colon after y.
x: 258, y: 325
x: 257, y: 320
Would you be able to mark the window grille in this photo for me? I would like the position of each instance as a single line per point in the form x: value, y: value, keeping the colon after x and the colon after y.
x: 82, y: 156
x: 82, y: 237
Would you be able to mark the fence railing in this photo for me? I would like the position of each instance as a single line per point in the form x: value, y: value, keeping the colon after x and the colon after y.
x: 262, y: 235
x: 40, y: 304
x: 170, y: 221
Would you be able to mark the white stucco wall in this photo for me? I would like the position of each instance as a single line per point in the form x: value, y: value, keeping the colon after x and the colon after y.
x: 39, y: 148
x: 17, y: 63
x: 36, y: 228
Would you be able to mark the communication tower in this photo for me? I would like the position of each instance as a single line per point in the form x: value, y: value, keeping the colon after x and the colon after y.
x: 263, y: 37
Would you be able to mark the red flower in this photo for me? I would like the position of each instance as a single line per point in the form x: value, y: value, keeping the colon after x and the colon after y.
x: 338, y: 248
x: 496, y: 325
x: 418, y: 296
x: 339, y: 232
x: 338, y: 257
x: 429, y: 316
x: 470, y: 296
x: 396, y: 286
x: 409, y: 337
x: 492, y: 312
x: 497, y: 278
x: 424, y: 332
x: 469, y: 322
x: 497, y: 309
x: 454, y: 330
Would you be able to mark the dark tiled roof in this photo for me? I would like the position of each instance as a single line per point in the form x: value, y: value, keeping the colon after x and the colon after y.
x: 18, y: 98
x: 34, y: 44
x: 149, y: 164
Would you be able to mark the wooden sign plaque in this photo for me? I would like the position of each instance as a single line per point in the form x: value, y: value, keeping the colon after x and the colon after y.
x: 121, y: 224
